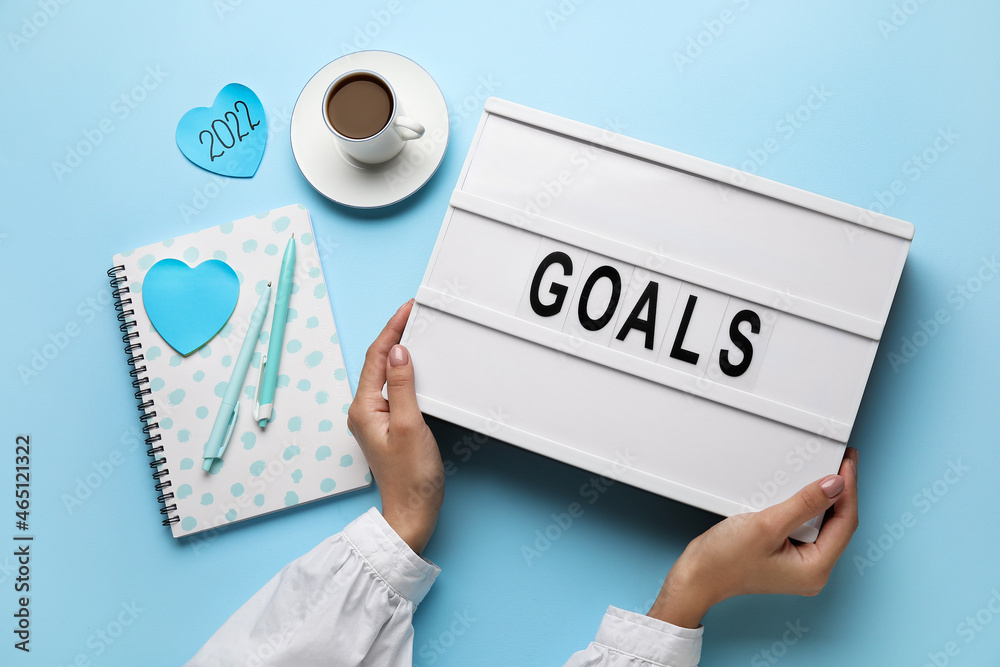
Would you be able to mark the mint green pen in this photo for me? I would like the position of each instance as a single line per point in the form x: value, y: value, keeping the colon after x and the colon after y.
x: 225, y: 421
x: 267, y: 379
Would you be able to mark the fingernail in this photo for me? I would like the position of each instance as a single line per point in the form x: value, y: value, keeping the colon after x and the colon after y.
x: 854, y: 467
x: 832, y: 486
x: 398, y: 356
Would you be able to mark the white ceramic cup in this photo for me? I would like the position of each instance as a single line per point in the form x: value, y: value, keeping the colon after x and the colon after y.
x: 388, y: 141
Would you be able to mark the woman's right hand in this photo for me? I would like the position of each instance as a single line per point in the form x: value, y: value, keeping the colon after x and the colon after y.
x: 752, y: 553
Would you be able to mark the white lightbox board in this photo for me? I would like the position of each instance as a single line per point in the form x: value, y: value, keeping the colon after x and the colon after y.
x: 675, y: 324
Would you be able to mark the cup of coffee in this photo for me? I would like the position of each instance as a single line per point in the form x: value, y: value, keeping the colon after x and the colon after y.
x: 362, y: 111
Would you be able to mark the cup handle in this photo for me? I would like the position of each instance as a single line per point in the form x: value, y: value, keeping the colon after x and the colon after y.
x: 407, y: 128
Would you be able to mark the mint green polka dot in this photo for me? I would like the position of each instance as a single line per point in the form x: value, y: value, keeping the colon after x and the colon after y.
x: 340, y: 374
x: 314, y: 272
x: 327, y: 485
x: 322, y: 397
x: 216, y: 466
x: 291, y: 452
x: 292, y: 314
x: 325, y: 425
x: 346, y: 460
x: 291, y: 498
x: 297, y: 476
x: 166, y: 423
x: 304, y: 385
x: 191, y: 255
x: 205, y: 352
x: 226, y: 329
x: 226, y: 361
x: 319, y: 291
x: 323, y: 453
x: 189, y: 523
x: 127, y: 253
x: 153, y: 353
x: 283, y: 380
x: 167, y: 243
x: 226, y: 228
x: 201, y: 412
x: 146, y: 261
x: 261, y: 216
x: 312, y: 323
x: 175, y: 360
x: 186, y: 463
x: 257, y: 467
x: 249, y: 439
x: 236, y: 489
x: 261, y: 286
x: 231, y: 515
x: 183, y: 491
x: 136, y: 286
x: 200, y: 375
x: 255, y: 359
x: 183, y: 435
x: 312, y: 361
x: 295, y: 288
x: 176, y: 396
x: 220, y: 389
x: 345, y: 407
x: 368, y: 477
x: 156, y: 384
x: 249, y: 245
x: 271, y: 249
x: 293, y: 346
x: 335, y: 339
x: 281, y: 224
x: 307, y: 239
x: 249, y: 390
x: 219, y: 255
x: 258, y: 500
x: 264, y: 336
x: 295, y: 424
x: 207, y: 499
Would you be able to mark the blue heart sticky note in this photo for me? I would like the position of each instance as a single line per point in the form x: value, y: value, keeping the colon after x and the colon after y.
x: 228, y: 137
x: 189, y: 306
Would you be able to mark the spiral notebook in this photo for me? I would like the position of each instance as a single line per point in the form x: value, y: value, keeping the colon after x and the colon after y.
x: 306, y: 452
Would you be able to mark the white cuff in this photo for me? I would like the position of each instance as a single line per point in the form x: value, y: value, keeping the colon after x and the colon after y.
x: 649, y: 639
x: 389, y: 557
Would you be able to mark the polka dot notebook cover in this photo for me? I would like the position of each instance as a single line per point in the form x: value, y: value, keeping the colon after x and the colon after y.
x: 306, y: 451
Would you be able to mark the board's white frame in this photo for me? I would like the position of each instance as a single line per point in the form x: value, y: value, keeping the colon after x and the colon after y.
x: 428, y: 298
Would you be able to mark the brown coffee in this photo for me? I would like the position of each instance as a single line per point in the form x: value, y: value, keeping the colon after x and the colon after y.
x: 359, y: 106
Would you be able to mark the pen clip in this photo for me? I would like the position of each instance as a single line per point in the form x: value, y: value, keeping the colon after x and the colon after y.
x: 256, y: 397
x: 229, y: 431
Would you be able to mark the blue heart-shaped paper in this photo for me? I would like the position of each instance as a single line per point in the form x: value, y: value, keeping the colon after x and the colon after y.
x: 228, y: 137
x: 188, y: 306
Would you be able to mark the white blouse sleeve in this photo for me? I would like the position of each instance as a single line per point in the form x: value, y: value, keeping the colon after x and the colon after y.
x: 627, y: 639
x: 348, y: 602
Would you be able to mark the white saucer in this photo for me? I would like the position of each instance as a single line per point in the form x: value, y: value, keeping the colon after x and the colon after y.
x: 341, y: 178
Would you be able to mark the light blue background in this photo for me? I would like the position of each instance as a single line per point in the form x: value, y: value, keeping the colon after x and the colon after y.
x: 889, y: 97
